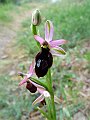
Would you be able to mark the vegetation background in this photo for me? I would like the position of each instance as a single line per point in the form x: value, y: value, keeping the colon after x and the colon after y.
x: 71, y: 74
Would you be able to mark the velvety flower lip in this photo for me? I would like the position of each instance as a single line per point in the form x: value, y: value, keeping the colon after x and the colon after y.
x: 53, y: 44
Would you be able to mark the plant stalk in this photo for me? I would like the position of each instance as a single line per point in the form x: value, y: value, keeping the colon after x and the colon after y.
x: 34, y: 31
x: 50, y: 87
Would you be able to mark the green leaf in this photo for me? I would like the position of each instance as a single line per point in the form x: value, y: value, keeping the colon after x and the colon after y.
x: 61, y: 114
x: 44, y: 113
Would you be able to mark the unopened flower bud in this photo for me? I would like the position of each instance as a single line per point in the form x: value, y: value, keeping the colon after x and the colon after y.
x: 36, y: 17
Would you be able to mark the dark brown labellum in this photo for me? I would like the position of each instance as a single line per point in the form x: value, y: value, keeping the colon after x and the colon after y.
x: 31, y: 87
x: 43, y: 102
x: 44, y: 61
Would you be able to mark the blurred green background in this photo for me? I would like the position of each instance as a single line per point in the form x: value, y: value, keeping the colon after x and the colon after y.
x: 71, y: 73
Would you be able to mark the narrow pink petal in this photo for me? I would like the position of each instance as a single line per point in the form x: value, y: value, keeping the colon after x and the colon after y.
x: 39, y: 99
x: 51, y: 31
x: 48, y: 30
x: 40, y: 88
x: 23, y: 81
x: 31, y: 69
x: 57, y: 42
x: 39, y: 39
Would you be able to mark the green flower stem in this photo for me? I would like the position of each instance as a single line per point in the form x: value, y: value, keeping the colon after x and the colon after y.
x: 44, y: 113
x: 50, y: 87
x: 34, y: 31
x: 48, y: 103
x: 53, y: 106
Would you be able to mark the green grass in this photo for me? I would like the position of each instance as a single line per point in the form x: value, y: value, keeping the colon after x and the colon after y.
x: 14, y: 102
x: 68, y: 83
x: 26, y: 39
x: 71, y: 21
x: 5, y: 15
x: 87, y: 56
x: 9, y: 10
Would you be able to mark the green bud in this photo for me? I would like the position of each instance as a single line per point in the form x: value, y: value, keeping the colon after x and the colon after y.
x: 36, y: 17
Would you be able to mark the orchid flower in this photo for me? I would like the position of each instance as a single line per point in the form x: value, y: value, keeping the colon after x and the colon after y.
x: 52, y: 44
x: 43, y: 93
x: 32, y: 86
